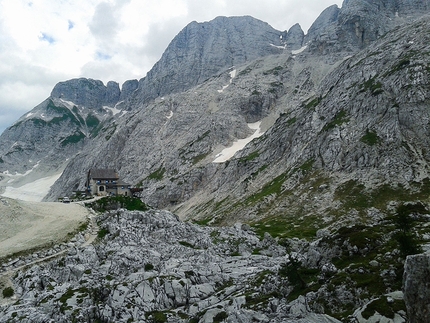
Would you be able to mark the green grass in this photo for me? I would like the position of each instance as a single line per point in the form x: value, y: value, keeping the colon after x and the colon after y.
x: 73, y: 139
x: 103, y: 232
x: 312, y: 103
x: 158, y: 174
x: 200, y: 158
x: 370, y: 138
x: 250, y: 157
x: 354, y: 195
x: 92, y: 121
x: 156, y: 317
x: 383, y: 307
x: 339, y: 119
x: 375, y: 87
x: 291, y: 121
x: 273, y: 187
x: 186, y: 244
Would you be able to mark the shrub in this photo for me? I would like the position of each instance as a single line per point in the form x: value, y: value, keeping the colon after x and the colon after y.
x: 149, y: 267
x: 116, y: 202
x: 8, y: 292
x: 370, y: 138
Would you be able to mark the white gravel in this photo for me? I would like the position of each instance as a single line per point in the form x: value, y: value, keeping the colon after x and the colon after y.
x: 26, y: 224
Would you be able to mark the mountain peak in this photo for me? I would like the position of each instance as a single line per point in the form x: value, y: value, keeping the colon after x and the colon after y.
x: 87, y: 92
x: 202, y: 50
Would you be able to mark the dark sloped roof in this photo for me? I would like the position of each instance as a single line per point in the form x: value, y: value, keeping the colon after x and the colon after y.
x: 103, y: 173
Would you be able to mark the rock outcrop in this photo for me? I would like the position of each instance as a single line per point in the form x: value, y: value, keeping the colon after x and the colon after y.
x: 417, y: 288
x: 150, y: 265
x: 360, y: 22
x: 87, y: 92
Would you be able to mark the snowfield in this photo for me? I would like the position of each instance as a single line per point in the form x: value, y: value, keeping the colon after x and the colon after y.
x: 34, y: 191
x: 229, y: 152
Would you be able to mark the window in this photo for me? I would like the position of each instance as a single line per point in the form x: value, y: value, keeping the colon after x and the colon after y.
x: 101, y: 188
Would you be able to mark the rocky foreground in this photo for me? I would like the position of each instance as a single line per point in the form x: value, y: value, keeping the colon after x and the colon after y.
x: 151, y: 267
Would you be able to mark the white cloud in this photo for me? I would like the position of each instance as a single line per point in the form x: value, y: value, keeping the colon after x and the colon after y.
x: 43, y: 42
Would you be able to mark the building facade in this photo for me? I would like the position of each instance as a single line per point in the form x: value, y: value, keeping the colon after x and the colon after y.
x: 105, y: 182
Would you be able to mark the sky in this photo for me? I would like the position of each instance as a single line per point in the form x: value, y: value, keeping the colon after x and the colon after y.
x: 43, y: 42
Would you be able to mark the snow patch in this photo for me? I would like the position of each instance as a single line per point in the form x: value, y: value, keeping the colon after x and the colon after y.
x: 298, y: 51
x: 28, y: 115
x: 114, y: 110
x: 70, y: 104
x: 276, y: 46
x: 232, y: 76
x: 34, y: 191
x: 229, y: 152
x: 170, y: 115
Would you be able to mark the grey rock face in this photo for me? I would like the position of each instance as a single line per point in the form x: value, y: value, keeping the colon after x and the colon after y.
x: 416, y: 287
x: 360, y: 22
x: 128, y: 88
x: 327, y: 18
x: 294, y: 38
x: 87, y: 92
x: 202, y: 50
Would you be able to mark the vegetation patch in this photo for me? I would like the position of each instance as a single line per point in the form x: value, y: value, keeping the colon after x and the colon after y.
x: 339, y: 119
x: 73, y: 139
x: 406, y: 218
x: 92, y: 121
x: 158, y: 174
x: 370, y: 138
x: 274, y: 71
x: 220, y: 317
x: 156, y: 317
x: 186, y: 244
x: 375, y: 87
x: 109, y: 131
x: 103, y: 232
x: 250, y: 157
x: 149, y: 267
x: 301, y: 278
x: 199, y: 158
x: 383, y: 307
x: 274, y: 187
x: 312, y: 103
x: 291, y: 121
x: 354, y: 195
x: 118, y: 202
x: 8, y: 292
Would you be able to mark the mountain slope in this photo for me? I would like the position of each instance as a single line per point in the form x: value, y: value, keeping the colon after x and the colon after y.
x: 42, y: 141
x: 365, y: 130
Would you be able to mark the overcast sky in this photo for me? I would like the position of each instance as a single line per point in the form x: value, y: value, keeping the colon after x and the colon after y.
x: 43, y: 42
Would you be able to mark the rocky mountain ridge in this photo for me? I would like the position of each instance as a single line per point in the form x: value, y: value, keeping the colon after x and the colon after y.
x: 339, y: 173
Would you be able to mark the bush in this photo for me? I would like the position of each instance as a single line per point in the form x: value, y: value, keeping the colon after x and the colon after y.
x: 404, y: 221
x: 8, y: 292
x: 117, y: 202
x: 149, y: 267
